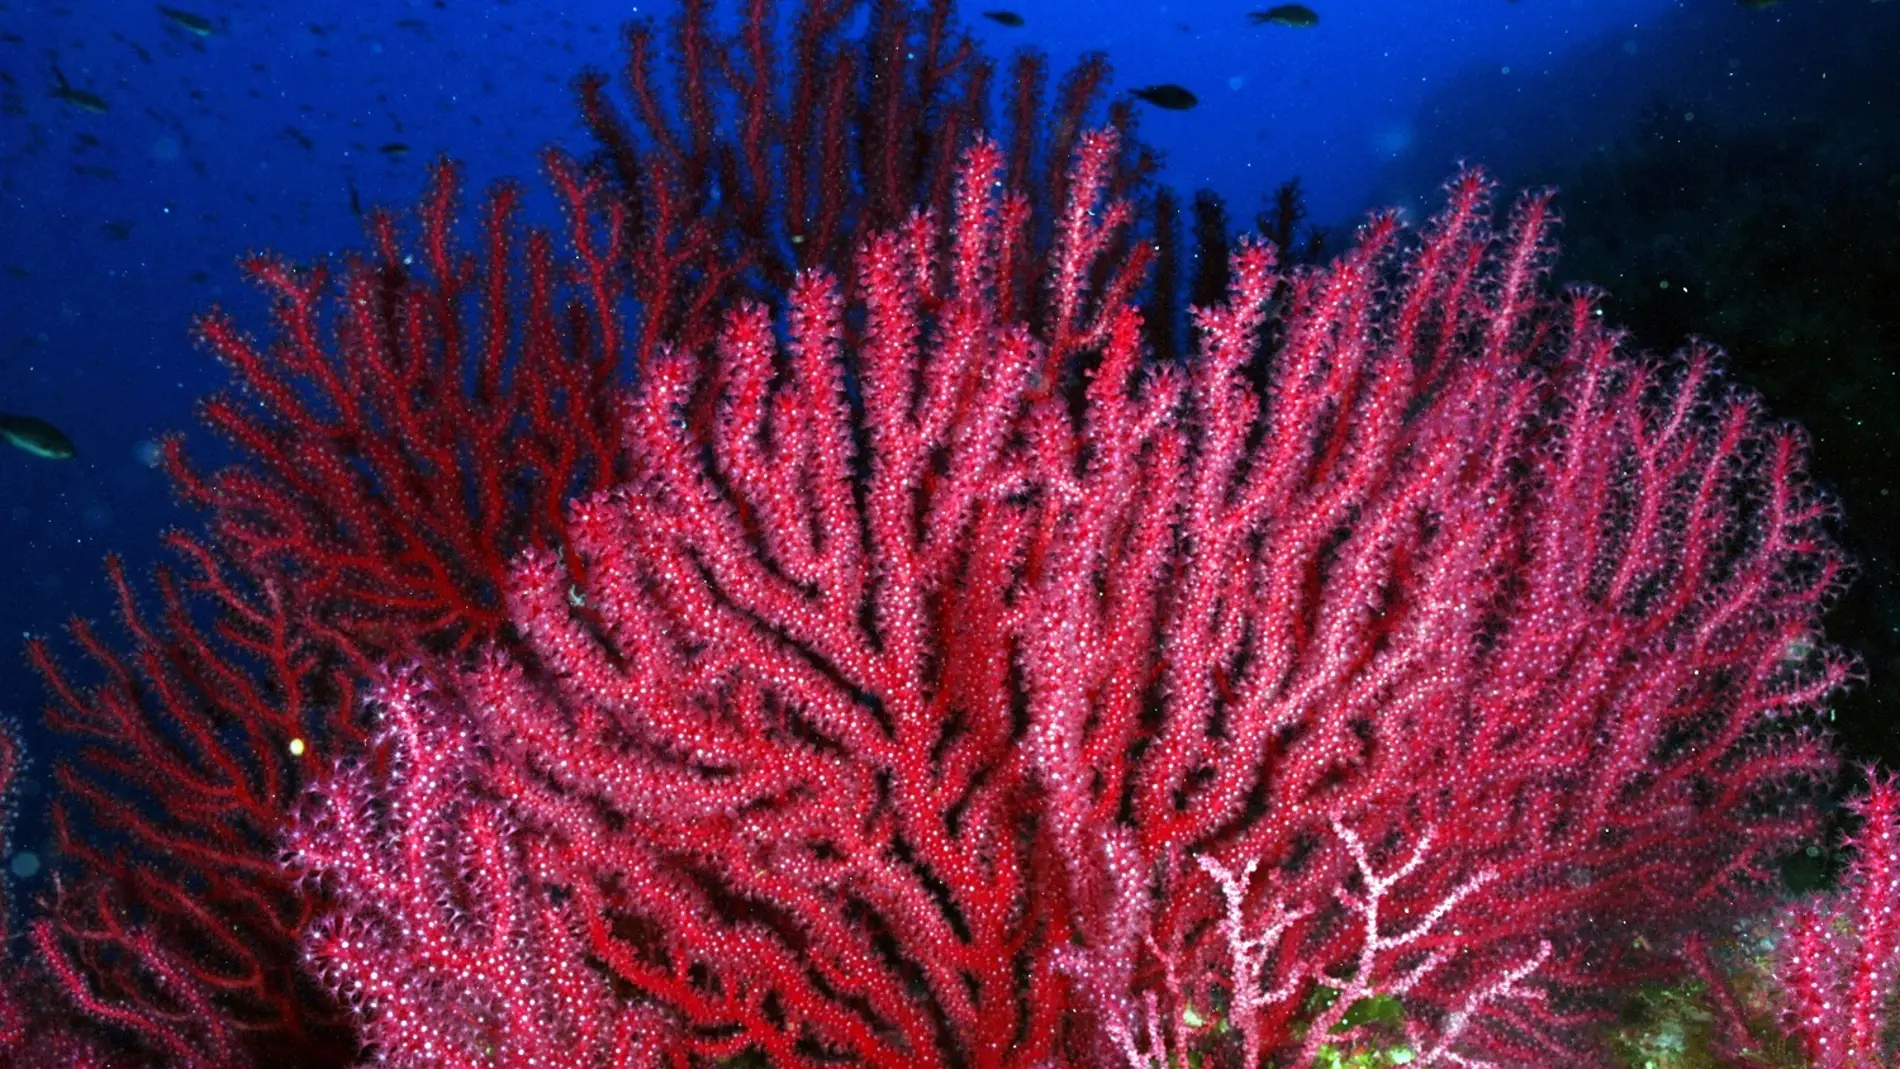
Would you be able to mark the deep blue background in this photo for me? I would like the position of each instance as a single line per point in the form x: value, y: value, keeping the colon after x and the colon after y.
x: 116, y: 228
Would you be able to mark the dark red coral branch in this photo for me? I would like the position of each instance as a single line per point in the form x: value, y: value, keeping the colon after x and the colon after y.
x: 399, y: 442
x: 192, y: 748
x: 847, y: 138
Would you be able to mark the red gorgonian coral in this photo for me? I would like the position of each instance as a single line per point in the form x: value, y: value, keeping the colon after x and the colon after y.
x: 972, y: 693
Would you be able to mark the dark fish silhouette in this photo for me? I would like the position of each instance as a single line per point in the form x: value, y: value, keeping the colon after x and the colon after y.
x: 36, y: 436
x: 1298, y: 16
x: 1169, y: 96
x: 187, y: 21
x: 83, y: 99
x: 137, y: 49
x: 1007, y: 18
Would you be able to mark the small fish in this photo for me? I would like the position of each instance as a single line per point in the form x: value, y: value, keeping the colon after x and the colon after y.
x: 117, y: 230
x: 37, y: 437
x: 1006, y: 18
x: 137, y: 48
x: 1298, y: 16
x: 300, y: 138
x: 395, y: 150
x: 356, y: 201
x: 1169, y: 96
x: 83, y: 99
x: 187, y: 21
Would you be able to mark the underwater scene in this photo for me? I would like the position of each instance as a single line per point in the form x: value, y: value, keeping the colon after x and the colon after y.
x: 730, y: 534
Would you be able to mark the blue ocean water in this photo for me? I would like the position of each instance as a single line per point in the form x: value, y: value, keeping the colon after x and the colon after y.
x: 143, y: 149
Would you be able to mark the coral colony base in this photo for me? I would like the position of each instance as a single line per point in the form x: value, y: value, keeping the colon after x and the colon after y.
x: 912, y: 663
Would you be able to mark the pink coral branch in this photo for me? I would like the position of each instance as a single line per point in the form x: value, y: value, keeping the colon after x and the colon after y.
x: 1840, y: 954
